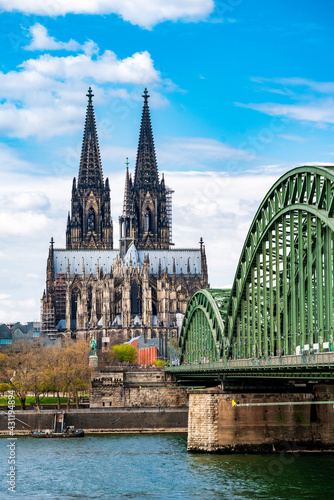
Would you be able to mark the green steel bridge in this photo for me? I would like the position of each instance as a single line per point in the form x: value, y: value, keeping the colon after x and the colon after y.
x: 277, y: 320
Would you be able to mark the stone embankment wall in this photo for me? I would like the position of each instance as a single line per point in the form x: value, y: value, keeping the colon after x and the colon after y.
x: 142, y: 388
x: 121, y: 400
x: 115, y: 421
x: 217, y: 426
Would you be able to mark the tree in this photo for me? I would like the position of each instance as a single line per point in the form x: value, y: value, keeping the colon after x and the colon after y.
x: 52, y: 376
x: 36, y: 376
x: 16, y: 368
x: 67, y: 369
x: 30, y: 367
x: 125, y: 352
x: 75, y: 369
x: 4, y: 373
x: 160, y: 362
x: 4, y: 388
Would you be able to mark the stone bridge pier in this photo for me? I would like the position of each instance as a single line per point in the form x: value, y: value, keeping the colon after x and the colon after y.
x: 271, y: 423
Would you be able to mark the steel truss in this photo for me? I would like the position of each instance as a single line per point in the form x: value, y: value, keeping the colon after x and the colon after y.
x: 202, y: 331
x: 281, y: 302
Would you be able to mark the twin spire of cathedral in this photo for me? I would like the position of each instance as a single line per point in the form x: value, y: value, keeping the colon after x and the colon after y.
x: 90, y: 172
x: 146, y: 173
x: 144, y: 218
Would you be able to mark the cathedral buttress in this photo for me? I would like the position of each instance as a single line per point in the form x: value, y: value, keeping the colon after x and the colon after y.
x: 90, y: 224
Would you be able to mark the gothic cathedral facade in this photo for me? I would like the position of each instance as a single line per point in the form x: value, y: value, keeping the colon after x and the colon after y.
x: 143, y: 287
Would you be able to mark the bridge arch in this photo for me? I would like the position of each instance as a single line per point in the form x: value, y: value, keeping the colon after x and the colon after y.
x: 281, y: 301
x: 202, y: 333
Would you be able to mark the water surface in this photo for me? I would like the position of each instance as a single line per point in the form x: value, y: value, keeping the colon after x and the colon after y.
x: 146, y: 466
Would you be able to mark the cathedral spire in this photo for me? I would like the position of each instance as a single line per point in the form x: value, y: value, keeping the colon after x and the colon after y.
x: 127, y: 204
x: 146, y: 174
x: 90, y: 224
x: 90, y: 173
x: 127, y: 219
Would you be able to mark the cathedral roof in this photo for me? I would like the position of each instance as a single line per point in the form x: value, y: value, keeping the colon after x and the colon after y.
x: 92, y: 259
x: 131, y: 255
x: 146, y: 174
x: 179, y: 260
x: 90, y: 172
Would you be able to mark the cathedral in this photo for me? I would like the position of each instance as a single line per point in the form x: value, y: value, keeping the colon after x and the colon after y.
x: 141, y: 288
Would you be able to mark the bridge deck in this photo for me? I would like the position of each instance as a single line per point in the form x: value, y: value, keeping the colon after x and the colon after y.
x: 314, y: 366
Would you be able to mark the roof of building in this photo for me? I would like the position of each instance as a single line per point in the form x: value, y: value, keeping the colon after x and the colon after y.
x: 179, y: 259
x: 131, y: 255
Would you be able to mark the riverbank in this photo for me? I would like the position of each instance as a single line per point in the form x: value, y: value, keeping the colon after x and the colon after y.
x: 117, y: 420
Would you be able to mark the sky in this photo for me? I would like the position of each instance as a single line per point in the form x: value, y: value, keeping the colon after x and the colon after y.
x: 241, y: 91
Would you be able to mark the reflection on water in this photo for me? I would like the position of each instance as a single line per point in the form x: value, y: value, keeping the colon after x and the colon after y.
x: 159, y: 467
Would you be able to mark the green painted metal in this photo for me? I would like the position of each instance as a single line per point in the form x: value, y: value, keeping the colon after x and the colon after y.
x: 311, y: 367
x: 202, y: 335
x: 281, y: 301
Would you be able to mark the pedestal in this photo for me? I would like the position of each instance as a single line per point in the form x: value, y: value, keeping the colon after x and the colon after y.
x: 93, y: 361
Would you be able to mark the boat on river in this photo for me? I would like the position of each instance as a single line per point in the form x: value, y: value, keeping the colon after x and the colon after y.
x: 49, y: 433
x: 60, y: 429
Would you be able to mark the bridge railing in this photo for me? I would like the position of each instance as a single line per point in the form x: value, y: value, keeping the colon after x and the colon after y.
x: 312, y: 360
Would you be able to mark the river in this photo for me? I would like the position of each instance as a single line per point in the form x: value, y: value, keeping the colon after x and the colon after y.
x: 157, y: 466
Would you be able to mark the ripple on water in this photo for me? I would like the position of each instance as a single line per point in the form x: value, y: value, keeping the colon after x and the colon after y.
x: 159, y: 467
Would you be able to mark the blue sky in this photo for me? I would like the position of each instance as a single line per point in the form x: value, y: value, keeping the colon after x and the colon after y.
x: 241, y: 92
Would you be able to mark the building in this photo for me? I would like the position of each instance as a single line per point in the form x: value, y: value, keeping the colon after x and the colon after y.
x: 126, y: 387
x: 143, y: 287
x: 150, y: 350
x: 16, y: 332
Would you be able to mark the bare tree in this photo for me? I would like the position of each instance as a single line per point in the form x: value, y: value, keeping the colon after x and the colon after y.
x: 16, y: 367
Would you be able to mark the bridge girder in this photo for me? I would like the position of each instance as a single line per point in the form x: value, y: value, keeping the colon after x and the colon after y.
x: 202, y: 334
x: 281, y: 301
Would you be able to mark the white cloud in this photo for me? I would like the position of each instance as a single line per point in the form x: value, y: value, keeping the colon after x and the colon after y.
x: 291, y: 137
x: 314, y: 101
x: 21, y: 223
x: 106, y: 68
x: 32, y: 209
x: 13, y: 310
x: 145, y: 14
x: 190, y: 152
x: 43, y: 122
x: 220, y: 208
x: 182, y: 153
x: 321, y: 87
x: 321, y: 112
x: 42, y: 41
x: 25, y: 201
x: 43, y: 98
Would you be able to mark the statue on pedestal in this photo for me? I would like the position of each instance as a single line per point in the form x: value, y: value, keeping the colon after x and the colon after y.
x: 93, y: 346
x: 93, y: 360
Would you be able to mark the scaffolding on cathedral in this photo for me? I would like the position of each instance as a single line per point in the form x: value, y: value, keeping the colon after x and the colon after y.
x: 48, y: 322
x: 169, y: 194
